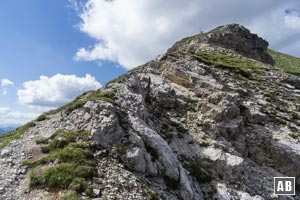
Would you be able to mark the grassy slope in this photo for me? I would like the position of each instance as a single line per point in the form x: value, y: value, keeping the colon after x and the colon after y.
x: 77, y: 103
x: 287, y: 63
x: 8, y: 137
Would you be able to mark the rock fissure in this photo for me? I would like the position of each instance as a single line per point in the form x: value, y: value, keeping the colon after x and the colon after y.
x: 210, y: 119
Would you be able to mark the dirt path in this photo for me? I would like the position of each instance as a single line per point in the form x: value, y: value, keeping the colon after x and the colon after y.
x: 13, y: 175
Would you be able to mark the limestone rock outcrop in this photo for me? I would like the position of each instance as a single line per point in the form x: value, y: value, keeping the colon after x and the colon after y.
x: 207, y: 120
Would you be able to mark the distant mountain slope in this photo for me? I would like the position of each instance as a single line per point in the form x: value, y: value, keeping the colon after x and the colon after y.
x: 289, y: 64
x: 6, y: 129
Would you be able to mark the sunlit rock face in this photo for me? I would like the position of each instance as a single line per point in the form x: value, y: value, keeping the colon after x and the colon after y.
x: 210, y: 119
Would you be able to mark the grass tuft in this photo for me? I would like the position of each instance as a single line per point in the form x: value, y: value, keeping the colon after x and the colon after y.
x: 152, y: 194
x: 79, y: 185
x: 79, y: 101
x: 68, y: 163
x: 72, y: 196
x: 119, y: 79
x: 241, y: 65
x: 42, y: 117
x: 42, y: 141
x: 62, y: 138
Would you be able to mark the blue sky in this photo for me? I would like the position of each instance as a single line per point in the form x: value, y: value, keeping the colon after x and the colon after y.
x: 78, y: 45
x: 39, y: 38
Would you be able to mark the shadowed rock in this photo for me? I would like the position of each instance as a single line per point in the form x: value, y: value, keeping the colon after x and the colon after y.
x: 241, y: 40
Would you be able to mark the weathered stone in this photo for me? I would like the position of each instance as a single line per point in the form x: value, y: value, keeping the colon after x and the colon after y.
x: 293, y: 81
x: 96, y: 192
x: 241, y: 40
x: 2, y: 190
x: 179, y: 127
x: 5, y: 152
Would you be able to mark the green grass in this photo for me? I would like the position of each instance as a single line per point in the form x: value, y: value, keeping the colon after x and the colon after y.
x: 42, y: 117
x: 75, y: 163
x: 7, y: 138
x: 119, y: 79
x: 73, y: 196
x: 61, y: 138
x: 42, y: 141
x: 96, y: 95
x: 215, y: 30
x: 152, y: 194
x: 191, y: 107
x: 241, y: 65
x: 79, y: 185
x: 295, y: 115
x: 79, y: 101
x: 204, y: 144
x: 59, y: 176
x: 62, y: 175
x: 178, y: 127
x: 122, y: 148
x: 287, y: 63
x: 34, y: 179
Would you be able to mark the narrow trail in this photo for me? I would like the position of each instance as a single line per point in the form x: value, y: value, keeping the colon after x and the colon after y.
x: 13, y: 175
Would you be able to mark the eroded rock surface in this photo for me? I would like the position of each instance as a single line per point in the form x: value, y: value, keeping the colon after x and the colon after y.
x: 185, y: 127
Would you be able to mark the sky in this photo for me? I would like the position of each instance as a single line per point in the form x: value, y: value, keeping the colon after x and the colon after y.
x: 53, y: 50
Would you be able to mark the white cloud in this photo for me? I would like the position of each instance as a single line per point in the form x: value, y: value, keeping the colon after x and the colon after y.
x: 5, y: 82
x: 132, y: 32
x: 292, y: 19
x: 49, y: 92
x: 4, y: 92
x: 9, y: 117
x: 4, y: 110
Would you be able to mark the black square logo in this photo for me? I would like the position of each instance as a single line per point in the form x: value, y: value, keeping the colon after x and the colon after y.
x: 284, y: 185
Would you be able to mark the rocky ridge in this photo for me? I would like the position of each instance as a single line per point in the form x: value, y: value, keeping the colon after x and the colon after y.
x: 210, y: 119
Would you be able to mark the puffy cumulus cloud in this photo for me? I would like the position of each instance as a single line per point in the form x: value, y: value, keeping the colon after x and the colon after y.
x: 49, y: 92
x: 9, y: 117
x: 131, y: 32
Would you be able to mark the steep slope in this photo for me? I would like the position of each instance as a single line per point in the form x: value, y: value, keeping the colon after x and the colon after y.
x: 207, y: 120
x: 287, y: 63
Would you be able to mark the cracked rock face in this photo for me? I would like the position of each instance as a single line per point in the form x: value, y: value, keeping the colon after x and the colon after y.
x: 184, y: 127
x: 232, y: 37
x: 240, y: 39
